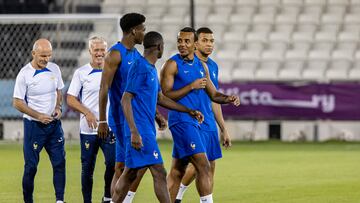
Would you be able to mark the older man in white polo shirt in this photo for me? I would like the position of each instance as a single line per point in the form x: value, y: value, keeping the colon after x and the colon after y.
x: 37, y: 94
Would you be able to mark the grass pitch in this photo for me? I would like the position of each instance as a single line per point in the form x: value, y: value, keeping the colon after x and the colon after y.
x: 262, y: 172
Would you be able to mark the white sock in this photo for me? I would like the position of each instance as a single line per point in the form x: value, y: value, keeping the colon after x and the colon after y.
x: 181, y: 192
x: 59, y: 201
x: 206, y: 199
x: 129, y: 197
x: 106, y: 198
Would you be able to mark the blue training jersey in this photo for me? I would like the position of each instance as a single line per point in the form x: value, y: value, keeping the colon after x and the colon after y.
x: 187, y: 73
x: 209, y: 123
x: 128, y: 57
x: 143, y: 83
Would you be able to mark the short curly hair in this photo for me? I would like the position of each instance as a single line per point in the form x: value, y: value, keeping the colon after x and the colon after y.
x: 131, y: 20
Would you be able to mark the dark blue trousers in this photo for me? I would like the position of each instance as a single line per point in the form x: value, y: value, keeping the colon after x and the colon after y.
x: 51, y: 137
x: 90, y: 145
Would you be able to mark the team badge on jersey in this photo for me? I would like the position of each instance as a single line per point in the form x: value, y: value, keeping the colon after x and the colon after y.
x: 192, y: 145
x: 156, y: 155
x: 112, y: 140
x: 35, y: 145
x: 87, y: 145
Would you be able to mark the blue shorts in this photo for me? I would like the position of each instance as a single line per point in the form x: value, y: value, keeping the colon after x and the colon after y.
x: 212, y: 144
x: 187, y: 140
x: 118, y: 131
x: 148, y: 155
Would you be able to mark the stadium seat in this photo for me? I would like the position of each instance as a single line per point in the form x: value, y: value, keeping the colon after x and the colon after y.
x: 268, y: 10
x: 315, y: 2
x: 309, y: 18
x: 218, y: 19
x: 241, y: 18
x: 229, y: 55
x: 263, y: 19
x: 268, y: 70
x: 235, y: 47
x: 338, y: 70
x: 256, y: 37
x: 349, y: 37
x: 303, y: 36
x: 325, y: 46
x: 291, y: 70
x: 280, y: 37
x: 319, y: 54
x: 354, y: 73
x: 246, y: 10
x: 225, y: 75
x: 287, y: 18
x: 134, y: 2
x: 354, y: 9
x: 338, y: 2
x: 178, y: 10
x: 352, y: 18
x: 250, y: 55
x: 246, y: 2
x: 315, y: 70
x: 342, y: 54
x: 281, y: 46
x: 179, y: 3
x: 296, y: 54
x: 289, y: 28
x: 240, y: 28
x: 272, y: 55
x: 354, y: 2
x: 293, y: 2
x: 336, y: 9
x: 269, y: 2
x: 234, y: 37
x: 245, y: 71
x: 332, y: 28
x: 332, y: 18
x: 254, y: 46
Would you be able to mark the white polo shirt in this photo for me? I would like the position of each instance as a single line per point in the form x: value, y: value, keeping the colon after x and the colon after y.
x: 38, y: 87
x: 85, y: 85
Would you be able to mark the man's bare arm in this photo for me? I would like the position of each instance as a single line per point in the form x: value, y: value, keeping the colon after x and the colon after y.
x: 136, y: 140
x: 74, y: 103
x: 112, y: 60
x: 216, y: 96
x: 21, y: 106
x: 167, y: 81
x: 166, y: 102
x: 224, y: 135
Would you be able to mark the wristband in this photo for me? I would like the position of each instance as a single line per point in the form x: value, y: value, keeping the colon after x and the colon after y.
x: 102, y: 122
x: 59, y: 107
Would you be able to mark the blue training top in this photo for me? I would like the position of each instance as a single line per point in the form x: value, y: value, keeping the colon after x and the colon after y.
x: 128, y: 57
x: 143, y: 83
x: 209, y: 123
x: 188, y: 71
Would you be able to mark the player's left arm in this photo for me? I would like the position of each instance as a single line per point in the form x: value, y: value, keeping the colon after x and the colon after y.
x: 160, y: 120
x: 224, y: 135
x: 217, y: 96
x: 57, y: 113
x: 136, y: 140
x: 58, y: 107
x: 168, y: 103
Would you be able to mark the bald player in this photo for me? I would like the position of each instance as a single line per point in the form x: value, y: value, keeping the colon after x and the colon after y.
x: 37, y: 94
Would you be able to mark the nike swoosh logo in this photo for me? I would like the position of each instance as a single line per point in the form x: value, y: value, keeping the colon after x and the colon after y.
x: 129, y: 62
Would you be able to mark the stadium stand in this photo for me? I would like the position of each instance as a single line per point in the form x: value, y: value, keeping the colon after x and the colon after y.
x: 314, y: 39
